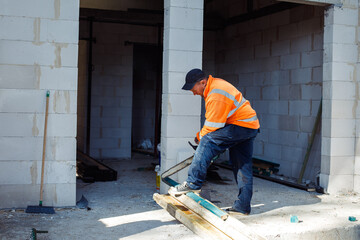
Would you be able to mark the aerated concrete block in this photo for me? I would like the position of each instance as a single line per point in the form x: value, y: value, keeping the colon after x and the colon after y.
x: 183, y: 39
x: 292, y: 154
x: 337, y: 109
x: 278, y: 107
x: 339, y: 128
x: 176, y: 104
x: 272, y: 151
x: 64, y: 102
x: 299, y: 107
x: 185, y: 18
x: 180, y: 60
x: 290, y: 92
x: 291, y: 61
x: 67, y: 121
x: 19, y: 77
x: 339, y: 71
x: 343, y: 16
x: 356, y: 183
x: 288, y: 31
x: 262, y: 51
x: 180, y: 126
x: 289, y: 123
x: 186, y: 4
x: 301, y: 44
x: 309, y: 92
x: 340, y: 184
x: 59, y: 31
x: 342, y: 165
x: 338, y: 147
x: 24, y: 101
x: 16, y: 172
x: 340, y: 34
x: 64, y: 78
x: 280, y: 48
x: 63, y: 149
x: 279, y: 77
x: 339, y: 90
x: 17, y: 28
x: 20, y: 148
x: 338, y: 52
x: 171, y: 146
x: 357, y: 160
x: 42, y: 8
x: 65, y: 195
x: 270, y: 121
x: 312, y: 59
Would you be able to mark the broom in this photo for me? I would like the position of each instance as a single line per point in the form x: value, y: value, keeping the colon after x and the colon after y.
x: 41, y: 208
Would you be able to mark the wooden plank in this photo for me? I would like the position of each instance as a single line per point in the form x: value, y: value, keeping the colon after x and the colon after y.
x: 231, y: 226
x: 90, y: 170
x: 190, y: 219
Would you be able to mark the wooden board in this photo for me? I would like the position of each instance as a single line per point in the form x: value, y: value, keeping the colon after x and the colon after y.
x: 230, y: 227
x: 190, y: 219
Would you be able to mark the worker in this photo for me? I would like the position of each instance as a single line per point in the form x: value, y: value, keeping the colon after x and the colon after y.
x: 231, y: 123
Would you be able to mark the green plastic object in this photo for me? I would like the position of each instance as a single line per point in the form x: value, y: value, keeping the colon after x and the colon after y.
x: 294, y: 219
x: 48, y: 93
x: 218, y: 212
x: 352, y: 218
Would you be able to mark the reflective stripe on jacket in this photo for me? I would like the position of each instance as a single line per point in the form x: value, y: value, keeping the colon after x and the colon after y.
x: 225, y: 104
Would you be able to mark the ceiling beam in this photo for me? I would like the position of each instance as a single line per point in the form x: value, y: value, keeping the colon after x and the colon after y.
x: 278, y: 7
x: 315, y: 2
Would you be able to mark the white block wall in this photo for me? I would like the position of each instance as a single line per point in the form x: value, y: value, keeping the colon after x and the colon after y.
x: 112, y: 86
x: 340, y: 132
x: 276, y: 61
x: 38, y: 52
x: 183, y: 37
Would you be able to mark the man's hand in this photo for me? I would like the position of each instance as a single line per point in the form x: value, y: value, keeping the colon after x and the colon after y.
x: 196, y: 140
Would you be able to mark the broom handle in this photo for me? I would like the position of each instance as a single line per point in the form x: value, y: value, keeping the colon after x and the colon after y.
x: 44, y: 146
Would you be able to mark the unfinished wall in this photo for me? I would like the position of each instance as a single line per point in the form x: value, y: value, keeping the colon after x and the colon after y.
x: 183, y: 37
x: 38, y: 52
x: 340, y: 133
x: 276, y: 61
x: 112, y: 86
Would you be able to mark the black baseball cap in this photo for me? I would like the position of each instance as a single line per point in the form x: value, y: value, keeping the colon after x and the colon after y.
x: 192, y: 77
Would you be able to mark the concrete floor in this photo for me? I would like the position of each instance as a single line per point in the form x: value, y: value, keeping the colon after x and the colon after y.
x: 125, y: 210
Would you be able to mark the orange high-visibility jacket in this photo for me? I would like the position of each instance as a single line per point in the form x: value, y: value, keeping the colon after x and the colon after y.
x: 224, y: 105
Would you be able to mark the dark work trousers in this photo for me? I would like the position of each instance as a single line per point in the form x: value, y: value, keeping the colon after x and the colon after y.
x: 239, y: 141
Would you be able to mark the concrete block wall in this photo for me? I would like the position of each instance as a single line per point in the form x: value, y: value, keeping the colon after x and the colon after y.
x: 183, y: 37
x: 38, y: 52
x: 340, y: 132
x: 276, y: 61
x: 112, y: 86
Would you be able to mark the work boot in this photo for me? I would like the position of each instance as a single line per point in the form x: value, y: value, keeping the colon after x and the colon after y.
x: 233, y: 211
x: 182, y: 189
